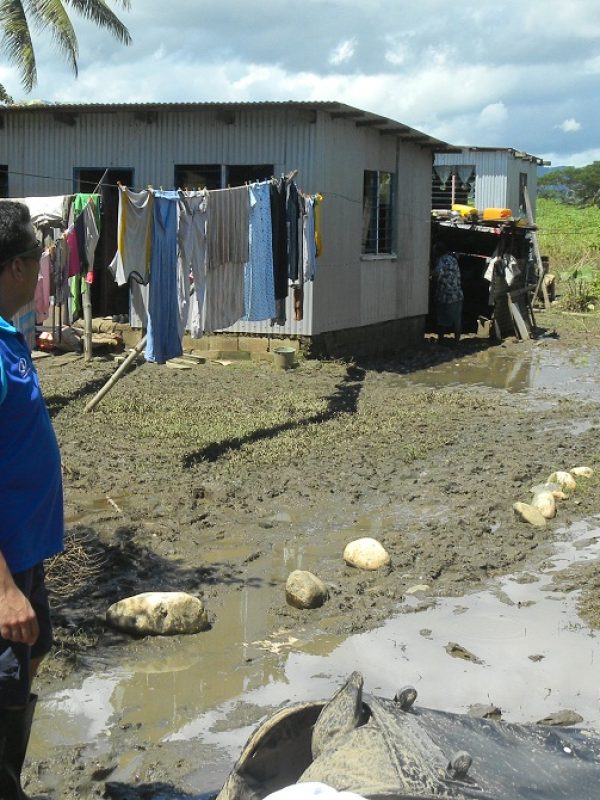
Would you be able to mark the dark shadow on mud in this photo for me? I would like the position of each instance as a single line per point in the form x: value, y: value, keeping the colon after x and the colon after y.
x: 56, y: 402
x: 343, y: 401
x: 90, y: 575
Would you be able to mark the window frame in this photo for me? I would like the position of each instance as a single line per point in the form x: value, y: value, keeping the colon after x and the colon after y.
x: 378, y: 241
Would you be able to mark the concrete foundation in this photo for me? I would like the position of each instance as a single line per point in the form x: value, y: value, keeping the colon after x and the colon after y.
x: 385, y: 338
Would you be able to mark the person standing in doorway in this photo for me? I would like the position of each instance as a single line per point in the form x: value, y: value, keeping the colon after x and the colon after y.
x: 448, y: 292
x: 31, y: 501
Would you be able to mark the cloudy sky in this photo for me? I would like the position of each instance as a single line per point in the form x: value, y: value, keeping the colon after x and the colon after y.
x: 493, y: 73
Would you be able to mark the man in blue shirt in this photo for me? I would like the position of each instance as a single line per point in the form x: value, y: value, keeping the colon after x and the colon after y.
x: 31, y: 501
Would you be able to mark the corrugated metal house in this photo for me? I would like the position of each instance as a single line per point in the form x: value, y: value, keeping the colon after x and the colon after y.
x: 485, y: 177
x: 374, y: 174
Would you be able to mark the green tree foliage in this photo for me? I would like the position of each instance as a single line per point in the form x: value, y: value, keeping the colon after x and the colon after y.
x: 576, y: 185
x: 51, y: 18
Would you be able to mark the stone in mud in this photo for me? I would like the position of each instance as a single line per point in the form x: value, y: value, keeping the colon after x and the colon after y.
x: 458, y: 651
x: 565, y: 717
x: 485, y: 711
x: 159, y: 614
x: 366, y: 553
x: 545, y: 503
x: 305, y: 590
x: 582, y: 472
x: 530, y: 514
x: 420, y: 587
x: 566, y: 480
x: 554, y: 488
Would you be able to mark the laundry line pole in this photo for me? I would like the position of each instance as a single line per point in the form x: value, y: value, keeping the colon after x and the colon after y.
x: 117, y: 374
x: 86, y: 300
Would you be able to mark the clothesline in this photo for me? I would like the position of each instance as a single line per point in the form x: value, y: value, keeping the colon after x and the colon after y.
x: 241, y: 248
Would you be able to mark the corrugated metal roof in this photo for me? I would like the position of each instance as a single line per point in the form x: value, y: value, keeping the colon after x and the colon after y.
x: 510, y: 150
x: 337, y: 110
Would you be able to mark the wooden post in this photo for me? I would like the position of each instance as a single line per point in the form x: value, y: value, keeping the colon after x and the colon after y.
x: 536, y: 252
x: 86, y: 300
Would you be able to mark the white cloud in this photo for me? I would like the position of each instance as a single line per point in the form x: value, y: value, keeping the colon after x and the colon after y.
x: 569, y: 125
x: 493, y: 115
x: 578, y: 159
x: 406, y: 61
x: 343, y: 52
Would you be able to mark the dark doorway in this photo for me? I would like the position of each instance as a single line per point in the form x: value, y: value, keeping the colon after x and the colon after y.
x: 107, y: 298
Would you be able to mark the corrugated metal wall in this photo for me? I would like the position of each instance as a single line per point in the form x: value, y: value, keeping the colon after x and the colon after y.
x: 496, y: 176
x: 516, y: 166
x: 42, y: 148
x: 490, y: 174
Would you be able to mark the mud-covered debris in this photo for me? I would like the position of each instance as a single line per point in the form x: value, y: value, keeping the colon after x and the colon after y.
x: 545, y: 503
x: 530, y: 514
x: 582, y: 472
x: 561, y: 718
x: 485, y: 711
x: 458, y: 651
x: 566, y: 480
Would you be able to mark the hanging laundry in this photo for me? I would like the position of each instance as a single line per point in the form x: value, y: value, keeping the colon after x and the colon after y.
x: 43, y: 289
x: 318, y: 198
x: 74, y: 263
x: 227, y: 251
x: 47, y: 210
x: 259, y: 289
x: 279, y: 234
x: 192, y: 254
x: 164, y: 337
x: 309, y: 249
x: 227, y: 229
x: 91, y: 237
x: 61, y: 271
x: 134, y: 239
x: 292, y: 211
x: 81, y: 201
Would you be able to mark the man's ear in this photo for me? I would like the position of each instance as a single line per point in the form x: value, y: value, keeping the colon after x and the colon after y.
x: 17, y: 270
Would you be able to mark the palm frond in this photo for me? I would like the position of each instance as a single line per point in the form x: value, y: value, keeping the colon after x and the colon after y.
x: 51, y: 15
x: 98, y: 12
x: 16, y: 41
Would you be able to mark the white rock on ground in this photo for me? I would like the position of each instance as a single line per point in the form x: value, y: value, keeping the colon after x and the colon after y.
x: 303, y: 589
x: 582, y: 472
x: 530, y: 514
x: 566, y: 480
x: 545, y: 502
x: 159, y: 614
x: 555, y: 488
x: 366, y: 553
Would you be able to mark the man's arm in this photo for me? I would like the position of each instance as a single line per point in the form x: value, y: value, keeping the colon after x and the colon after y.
x: 18, y: 622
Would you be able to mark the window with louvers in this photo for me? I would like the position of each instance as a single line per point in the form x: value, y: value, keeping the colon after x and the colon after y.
x: 378, y: 213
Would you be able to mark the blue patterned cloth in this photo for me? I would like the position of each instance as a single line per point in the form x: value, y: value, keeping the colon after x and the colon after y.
x: 259, y: 288
x: 164, y: 339
x: 447, y: 272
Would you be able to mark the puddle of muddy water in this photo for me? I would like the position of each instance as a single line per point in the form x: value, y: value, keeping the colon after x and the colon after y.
x: 214, y: 688
x: 531, y: 367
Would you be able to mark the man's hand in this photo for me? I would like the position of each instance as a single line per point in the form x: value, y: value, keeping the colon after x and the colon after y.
x: 18, y: 622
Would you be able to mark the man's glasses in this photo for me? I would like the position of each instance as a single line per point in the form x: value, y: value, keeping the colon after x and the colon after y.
x: 34, y: 253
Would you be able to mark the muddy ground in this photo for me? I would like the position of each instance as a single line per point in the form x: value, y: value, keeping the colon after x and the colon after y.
x: 186, y: 480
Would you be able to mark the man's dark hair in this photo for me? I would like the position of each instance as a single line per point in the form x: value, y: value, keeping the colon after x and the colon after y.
x: 15, y: 230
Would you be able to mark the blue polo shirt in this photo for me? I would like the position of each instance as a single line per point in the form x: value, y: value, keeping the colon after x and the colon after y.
x: 31, y: 494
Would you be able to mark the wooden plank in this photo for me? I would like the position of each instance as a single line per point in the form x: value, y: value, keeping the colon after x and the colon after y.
x: 519, y: 323
x: 536, y: 252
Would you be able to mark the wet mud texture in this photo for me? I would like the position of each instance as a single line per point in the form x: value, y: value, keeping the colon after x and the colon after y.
x: 189, y: 479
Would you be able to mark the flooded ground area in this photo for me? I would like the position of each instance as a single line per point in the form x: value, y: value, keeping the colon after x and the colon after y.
x: 222, y: 479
